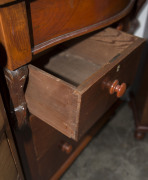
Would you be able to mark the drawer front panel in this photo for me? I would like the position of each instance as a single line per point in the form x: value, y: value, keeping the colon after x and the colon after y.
x: 53, y: 19
x: 97, y: 100
x: 76, y: 93
x: 48, y: 145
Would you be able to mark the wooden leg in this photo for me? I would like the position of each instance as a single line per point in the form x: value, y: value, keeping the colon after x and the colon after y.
x: 140, y: 129
x: 19, y: 121
x: 139, y: 102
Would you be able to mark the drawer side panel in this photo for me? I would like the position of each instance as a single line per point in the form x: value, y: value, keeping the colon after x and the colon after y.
x: 52, y: 101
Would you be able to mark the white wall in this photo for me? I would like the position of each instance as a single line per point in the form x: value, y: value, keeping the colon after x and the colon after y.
x: 142, y: 31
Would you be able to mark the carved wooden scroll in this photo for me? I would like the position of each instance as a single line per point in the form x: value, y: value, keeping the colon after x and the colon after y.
x: 16, y: 81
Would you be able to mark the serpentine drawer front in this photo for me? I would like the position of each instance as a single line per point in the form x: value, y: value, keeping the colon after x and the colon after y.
x: 76, y: 86
x: 55, y: 21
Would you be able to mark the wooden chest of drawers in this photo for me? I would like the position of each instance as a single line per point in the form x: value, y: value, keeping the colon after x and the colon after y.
x: 68, y: 87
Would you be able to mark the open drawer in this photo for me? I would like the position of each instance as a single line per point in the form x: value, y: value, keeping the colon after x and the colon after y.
x: 77, y: 86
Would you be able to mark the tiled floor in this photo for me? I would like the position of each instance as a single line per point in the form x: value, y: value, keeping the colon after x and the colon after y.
x: 113, y: 154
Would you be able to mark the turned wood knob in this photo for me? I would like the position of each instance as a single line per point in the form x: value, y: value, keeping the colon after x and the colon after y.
x: 139, y: 135
x: 119, y: 89
x: 67, y: 148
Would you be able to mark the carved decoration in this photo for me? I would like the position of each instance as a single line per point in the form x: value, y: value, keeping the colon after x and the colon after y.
x: 16, y: 81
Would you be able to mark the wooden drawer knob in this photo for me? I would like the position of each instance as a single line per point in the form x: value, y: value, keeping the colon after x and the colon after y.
x: 67, y: 148
x: 119, y: 89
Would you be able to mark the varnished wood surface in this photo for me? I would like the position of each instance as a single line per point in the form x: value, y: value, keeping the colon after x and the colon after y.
x: 2, y: 124
x: 51, y: 22
x: 86, y: 139
x: 50, y: 137
x: 51, y: 160
x: 15, y: 45
x: 48, y: 145
x: 139, y: 102
x: 142, y: 97
x: 74, y: 109
x: 6, y: 2
x: 23, y: 138
x: 60, y: 103
x: 56, y: 21
x: 7, y: 165
x: 25, y: 143
x: 96, y: 101
x: 16, y: 82
x: 10, y: 167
